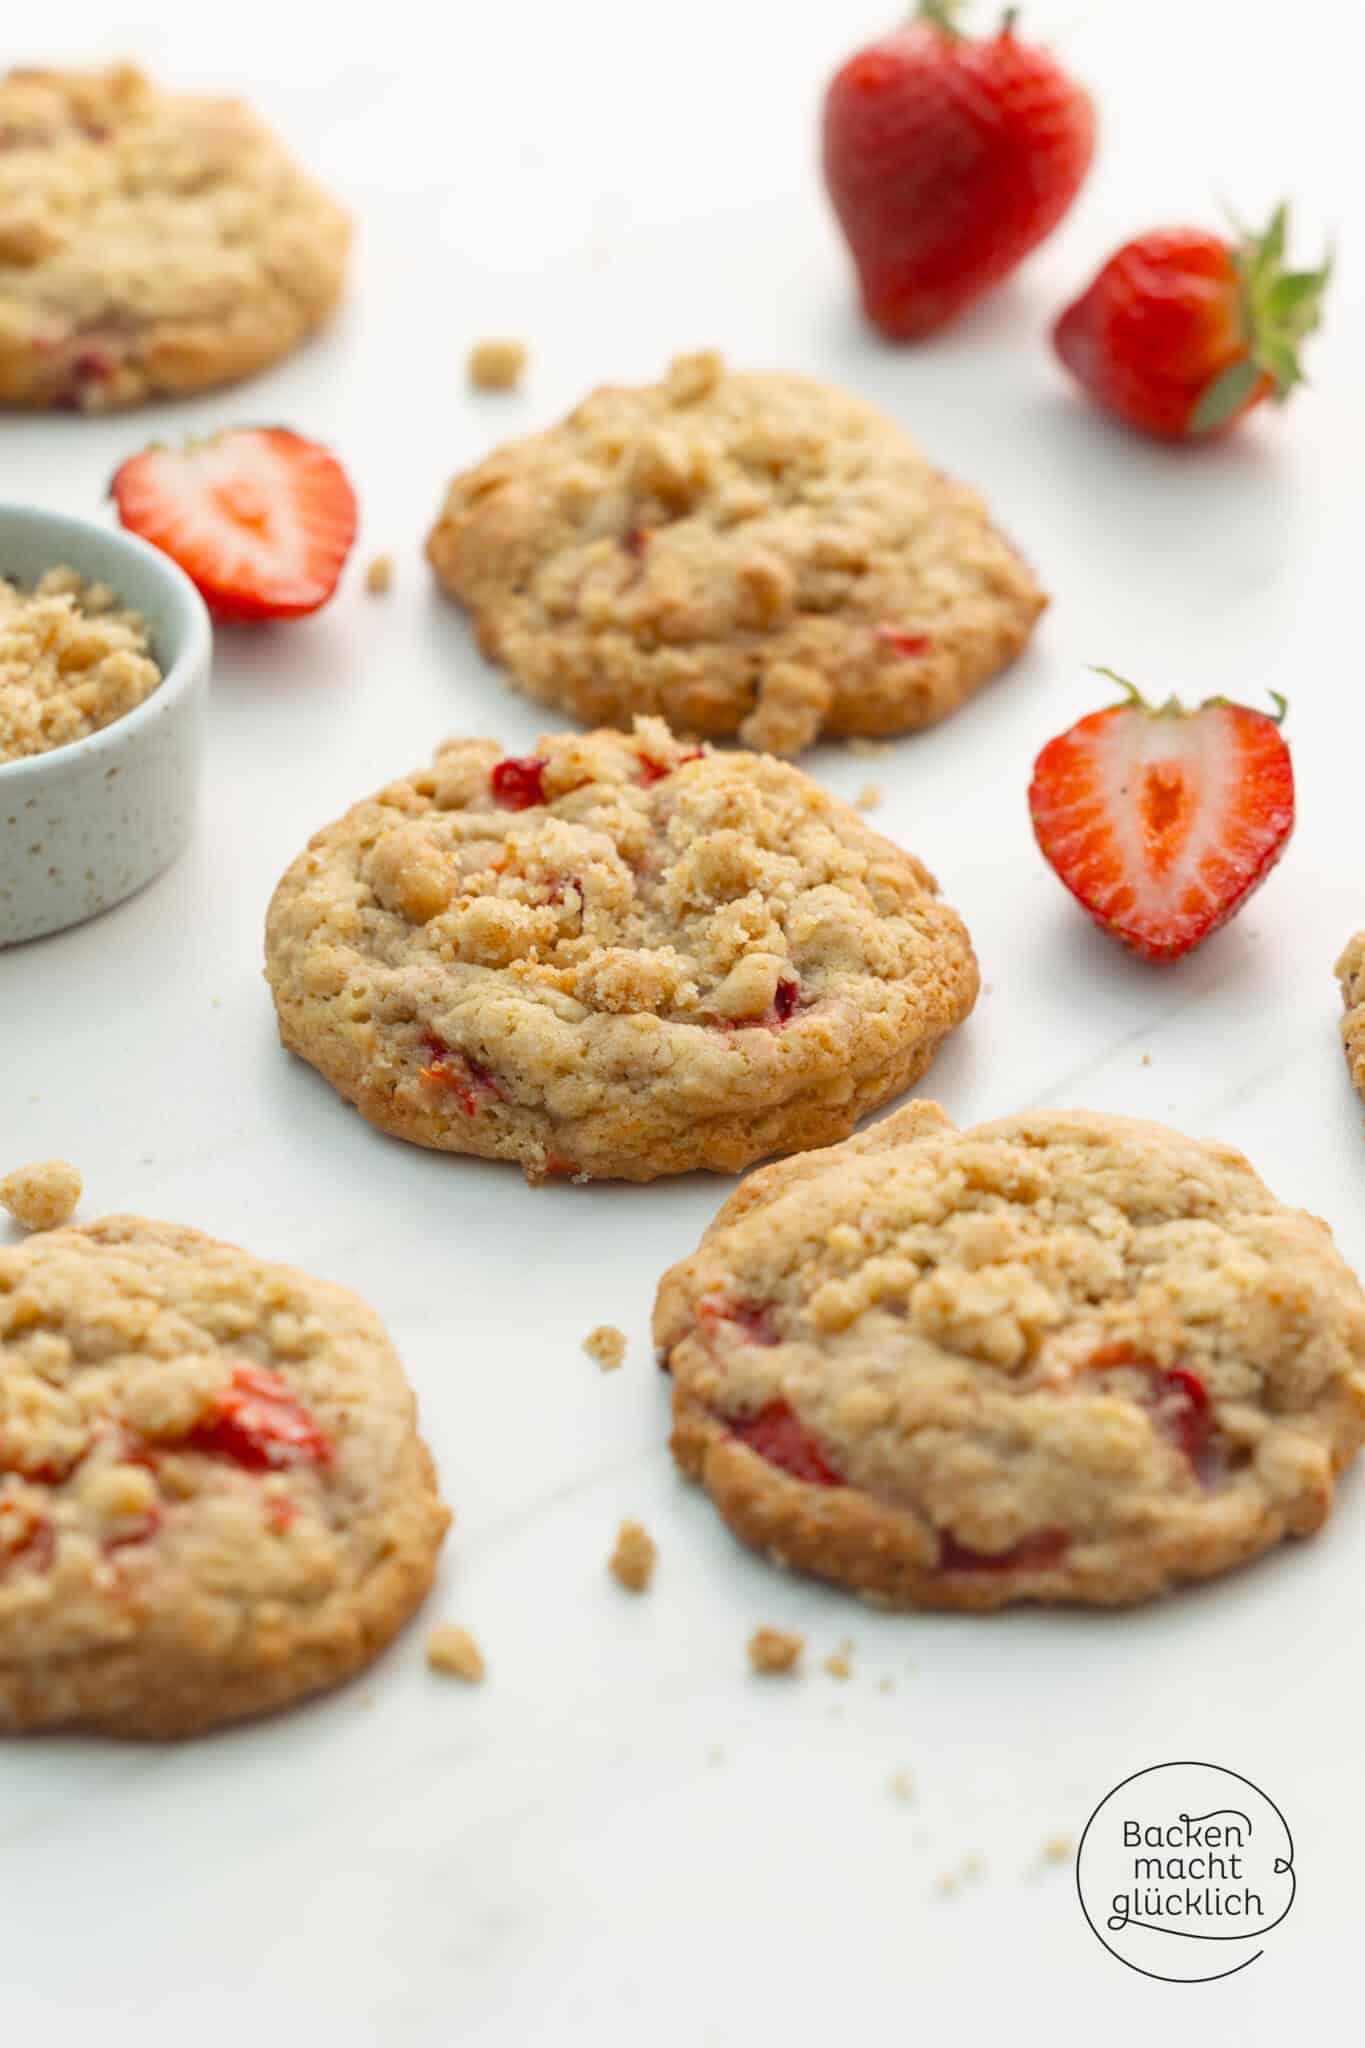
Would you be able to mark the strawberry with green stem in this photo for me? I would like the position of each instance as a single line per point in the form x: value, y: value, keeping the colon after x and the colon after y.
x: 1183, y: 332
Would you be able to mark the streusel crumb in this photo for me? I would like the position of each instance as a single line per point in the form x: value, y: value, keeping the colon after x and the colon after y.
x: 1057, y: 1849
x: 454, y: 1651
x: 839, y: 1663
x: 42, y: 1195
x: 496, y: 365
x: 632, y: 1562
x: 869, y: 797
x: 903, y: 1787
x: 775, y: 1650
x: 379, y: 576
x: 70, y: 663
x: 607, y: 1345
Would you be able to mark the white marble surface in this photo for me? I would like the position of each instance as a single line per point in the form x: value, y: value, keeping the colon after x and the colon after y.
x: 621, y: 1836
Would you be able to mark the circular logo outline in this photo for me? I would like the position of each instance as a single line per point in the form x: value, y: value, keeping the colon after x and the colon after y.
x: 1281, y: 1863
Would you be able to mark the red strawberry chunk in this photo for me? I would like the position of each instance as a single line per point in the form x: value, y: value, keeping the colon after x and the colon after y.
x: 776, y: 1435
x: 754, y: 1318
x: 1033, y: 1552
x: 26, y: 1537
x: 280, y: 1514
x: 784, y: 1006
x: 652, y: 771
x: 258, y: 1423
x: 905, y: 643
x: 465, y: 1077
x: 786, y: 998
x: 519, y: 784
x: 1176, y: 1402
x: 260, y: 520
x: 140, y: 1531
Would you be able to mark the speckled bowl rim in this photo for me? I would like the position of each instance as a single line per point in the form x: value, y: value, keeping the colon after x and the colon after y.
x: 190, y: 629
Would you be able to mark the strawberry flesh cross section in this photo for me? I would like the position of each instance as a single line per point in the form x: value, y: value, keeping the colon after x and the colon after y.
x: 1161, y: 822
x: 260, y: 519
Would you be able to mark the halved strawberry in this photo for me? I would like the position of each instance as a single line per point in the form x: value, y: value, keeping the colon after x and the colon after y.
x: 260, y: 520
x: 1161, y: 821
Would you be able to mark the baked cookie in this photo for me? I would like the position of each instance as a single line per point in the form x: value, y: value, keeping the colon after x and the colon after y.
x: 751, y: 554
x: 150, y: 243
x: 213, y: 1499
x: 1351, y: 975
x: 1058, y: 1357
x: 618, y: 957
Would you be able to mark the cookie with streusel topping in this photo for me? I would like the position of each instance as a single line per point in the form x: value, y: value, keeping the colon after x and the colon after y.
x: 1062, y: 1357
x: 1351, y: 975
x: 213, y: 1498
x: 751, y: 554
x: 618, y: 957
x: 151, y: 243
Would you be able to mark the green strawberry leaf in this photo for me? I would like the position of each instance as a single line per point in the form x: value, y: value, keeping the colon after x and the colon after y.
x: 1279, y: 309
x: 1228, y: 392
x: 941, y: 14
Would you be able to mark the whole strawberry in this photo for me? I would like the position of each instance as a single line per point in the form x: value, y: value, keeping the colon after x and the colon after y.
x: 1161, y: 821
x: 1183, y: 332
x: 948, y: 159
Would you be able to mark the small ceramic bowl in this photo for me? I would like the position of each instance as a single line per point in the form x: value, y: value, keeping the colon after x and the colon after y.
x: 83, y: 826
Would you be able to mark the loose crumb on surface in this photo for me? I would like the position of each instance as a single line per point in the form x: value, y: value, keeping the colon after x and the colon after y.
x: 42, y: 1195
x: 454, y: 1651
x: 607, y: 1345
x: 972, y: 1868
x: 839, y: 1663
x: 869, y: 796
x: 903, y: 1787
x: 886, y: 1685
x: 866, y: 749
x: 775, y: 1650
x: 1146, y: 1059
x: 947, y: 1884
x: 632, y: 1562
x: 379, y: 575
x: 1057, y: 1849
x: 497, y: 364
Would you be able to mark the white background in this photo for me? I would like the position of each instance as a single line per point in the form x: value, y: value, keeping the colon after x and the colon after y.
x: 622, y: 1836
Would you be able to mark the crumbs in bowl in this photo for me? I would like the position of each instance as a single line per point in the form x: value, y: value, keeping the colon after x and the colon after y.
x: 70, y: 663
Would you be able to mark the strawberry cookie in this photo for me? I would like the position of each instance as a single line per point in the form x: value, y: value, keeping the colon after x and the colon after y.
x: 150, y: 244
x: 1351, y: 975
x: 213, y: 1500
x: 1062, y: 1357
x: 759, y: 555
x: 617, y: 957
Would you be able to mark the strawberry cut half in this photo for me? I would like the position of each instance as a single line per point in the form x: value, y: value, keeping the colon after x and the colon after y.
x: 1161, y: 822
x: 260, y: 520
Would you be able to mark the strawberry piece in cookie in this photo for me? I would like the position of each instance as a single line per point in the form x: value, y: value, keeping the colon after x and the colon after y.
x: 519, y: 784
x: 258, y: 1423
x: 776, y: 1435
